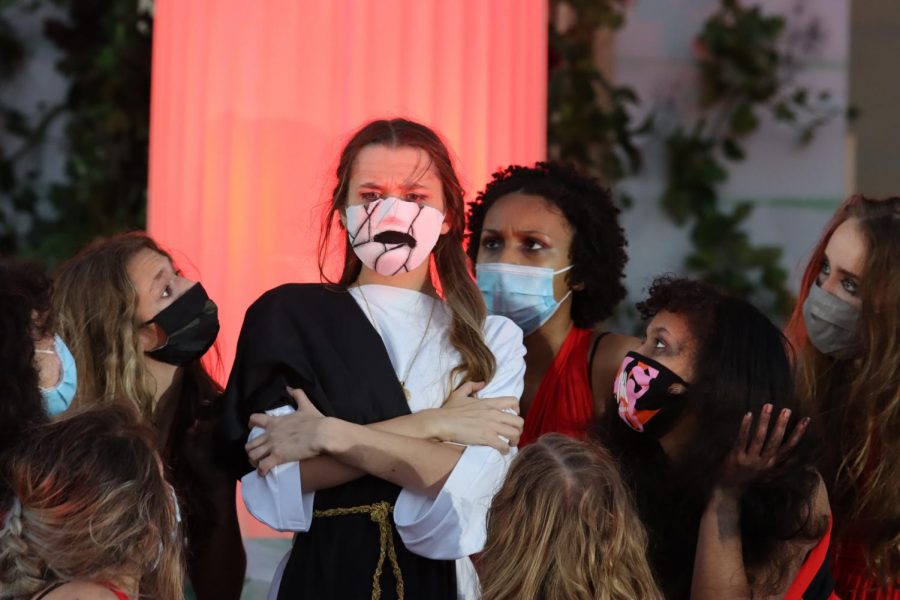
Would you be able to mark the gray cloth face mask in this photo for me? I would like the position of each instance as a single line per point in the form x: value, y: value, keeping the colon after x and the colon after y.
x: 832, y: 324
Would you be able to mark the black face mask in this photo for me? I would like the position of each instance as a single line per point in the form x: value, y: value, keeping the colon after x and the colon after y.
x: 642, y: 393
x: 191, y: 324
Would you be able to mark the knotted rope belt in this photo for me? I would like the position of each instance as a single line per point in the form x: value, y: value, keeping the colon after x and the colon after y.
x: 380, y: 513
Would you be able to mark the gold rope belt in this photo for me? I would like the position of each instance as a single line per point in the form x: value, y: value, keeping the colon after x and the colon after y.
x: 380, y: 513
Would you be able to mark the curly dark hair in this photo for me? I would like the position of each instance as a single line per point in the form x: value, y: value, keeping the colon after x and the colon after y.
x: 742, y: 362
x: 598, y: 242
x: 24, y: 291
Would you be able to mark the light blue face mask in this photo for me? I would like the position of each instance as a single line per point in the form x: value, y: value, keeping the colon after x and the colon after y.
x: 521, y: 293
x: 59, y: 397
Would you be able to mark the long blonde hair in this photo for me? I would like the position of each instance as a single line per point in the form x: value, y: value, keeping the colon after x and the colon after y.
x: 563, y: 527
x: 89, y: 504
x: 95, y: 303
x: 859, y: 399
x: 450, y: 262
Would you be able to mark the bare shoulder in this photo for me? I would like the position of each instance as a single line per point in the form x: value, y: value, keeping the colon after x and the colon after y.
x: 81, y: 590
x: 798, y: 548
x: 611, y: 349
x: 821, y: 506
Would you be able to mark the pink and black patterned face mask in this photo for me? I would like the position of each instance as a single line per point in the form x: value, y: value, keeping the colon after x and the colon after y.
x: 642, y: 393
x: 393, y: 236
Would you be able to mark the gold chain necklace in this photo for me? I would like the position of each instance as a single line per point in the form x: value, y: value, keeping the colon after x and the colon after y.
x: 418, y: 348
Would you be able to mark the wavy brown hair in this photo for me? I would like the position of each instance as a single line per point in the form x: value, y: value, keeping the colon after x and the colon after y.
x: 450, y: 264
x: 859, y: 399
x: 563, y: 527
x: 91, y: 504
x: 95, y: 304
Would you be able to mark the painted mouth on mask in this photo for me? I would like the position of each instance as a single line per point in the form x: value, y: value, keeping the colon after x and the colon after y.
x: 395, y: 237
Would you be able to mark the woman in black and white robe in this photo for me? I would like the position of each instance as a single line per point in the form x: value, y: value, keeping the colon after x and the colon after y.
x: 364, y: 381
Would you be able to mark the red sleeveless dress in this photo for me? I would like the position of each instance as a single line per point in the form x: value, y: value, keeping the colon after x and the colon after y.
x: 563, y: 402
x: 814, y: 580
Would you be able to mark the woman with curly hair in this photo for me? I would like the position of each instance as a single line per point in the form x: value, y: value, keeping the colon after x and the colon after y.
x: 563, y: 527
x: 732, y: 509
x: 91, y: 515
x: 846, y: 327
x: 551, y: 256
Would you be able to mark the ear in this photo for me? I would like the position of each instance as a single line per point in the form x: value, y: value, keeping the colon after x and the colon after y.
x: 578, y: 287
x: 150, y: 337
x: 445, y: 227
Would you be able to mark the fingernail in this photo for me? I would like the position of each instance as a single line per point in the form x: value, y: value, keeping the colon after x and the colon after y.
x: 767, y: 409
x: 749, y: 415
x: 806, y: 420
x: 786, y: 412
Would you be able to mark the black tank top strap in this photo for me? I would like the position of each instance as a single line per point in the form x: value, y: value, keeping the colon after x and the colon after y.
x: 591, y: 354
x: 48, y: 590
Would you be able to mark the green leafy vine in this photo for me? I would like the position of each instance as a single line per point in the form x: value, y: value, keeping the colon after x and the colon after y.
x: 589, y: 119
x: 106, y: 50
x: 746, y: 65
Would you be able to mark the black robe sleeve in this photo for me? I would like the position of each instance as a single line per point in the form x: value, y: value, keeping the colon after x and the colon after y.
x: 315, y: 338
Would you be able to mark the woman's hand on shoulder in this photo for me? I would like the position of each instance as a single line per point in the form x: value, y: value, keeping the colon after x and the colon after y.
x: 287, y: 438
x: 467, y: 419
x: 752, y: 457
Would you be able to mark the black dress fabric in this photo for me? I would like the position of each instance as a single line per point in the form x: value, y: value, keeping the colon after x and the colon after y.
x: 318, y: 339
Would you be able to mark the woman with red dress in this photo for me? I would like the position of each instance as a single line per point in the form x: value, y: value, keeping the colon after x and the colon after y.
x: 846, y: 329
x: 550, y: 255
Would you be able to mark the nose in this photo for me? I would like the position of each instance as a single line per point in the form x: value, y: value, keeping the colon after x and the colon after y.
x: 830, y: 285
x: 182, y: 285
x: 509, y: 255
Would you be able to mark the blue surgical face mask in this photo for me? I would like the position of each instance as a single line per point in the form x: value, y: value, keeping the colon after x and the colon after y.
x: 521, y: 293
x: 59, y: 397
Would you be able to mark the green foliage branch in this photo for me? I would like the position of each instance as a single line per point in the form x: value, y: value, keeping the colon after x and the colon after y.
x: 105, y: 50
x: 747, y: 61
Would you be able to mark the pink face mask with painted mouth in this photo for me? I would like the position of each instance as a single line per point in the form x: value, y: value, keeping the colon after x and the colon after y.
x: 393, y: 236
x: 642, y: 393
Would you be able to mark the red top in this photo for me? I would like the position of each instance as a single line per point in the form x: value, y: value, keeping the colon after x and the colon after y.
x: 853, y: 579
x: 563, y: 402
x: 814, y: 581
x: 119, y: 593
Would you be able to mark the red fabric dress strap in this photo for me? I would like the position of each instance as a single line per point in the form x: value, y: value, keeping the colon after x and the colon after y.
x: 563, y: 402
x: 119, y: 593
x: 814, y: 581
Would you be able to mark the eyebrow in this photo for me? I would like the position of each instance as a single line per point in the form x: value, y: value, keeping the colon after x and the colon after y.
x: 842, y: 270
x: 415, y: 185
x: 158, y: 278
x: 657, y: 329
x: 849, y: 273
x: 525, y: 231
